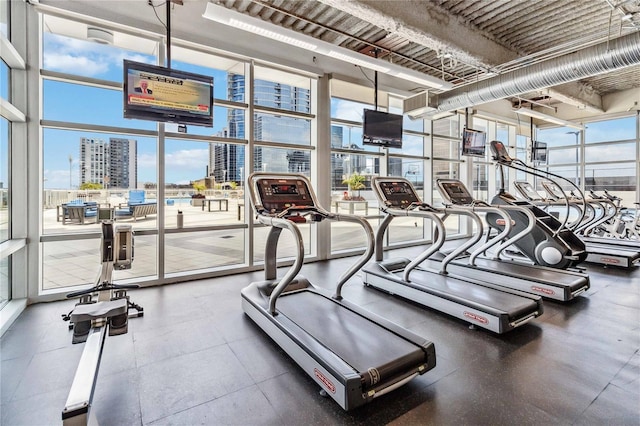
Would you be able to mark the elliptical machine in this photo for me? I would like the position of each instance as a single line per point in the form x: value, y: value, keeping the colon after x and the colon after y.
x: 90, y: 319
x: 550, y: 243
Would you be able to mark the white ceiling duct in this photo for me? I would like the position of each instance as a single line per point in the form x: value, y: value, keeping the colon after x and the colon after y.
x: 599, y: 59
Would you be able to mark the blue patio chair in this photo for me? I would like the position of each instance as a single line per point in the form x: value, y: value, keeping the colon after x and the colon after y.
x: 137, y: 206
x: 136, y: 196
x: 79, y: 210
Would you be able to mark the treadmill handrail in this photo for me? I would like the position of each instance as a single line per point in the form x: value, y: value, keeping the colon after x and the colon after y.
x: 607, y: 214
x: 508, y: 225
x: 471, y: 241
x: 474, y: 206
x: 435, y: 246
x: 510, y: 241
x: 428, y: 214
x: 280, y: 221
x: 362, y: 259
x: 594, y: 207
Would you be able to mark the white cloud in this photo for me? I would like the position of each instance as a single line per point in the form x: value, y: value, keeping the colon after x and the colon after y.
x: 347, y: 111
x: 188, y: 159
x: 69, y: 63
x: 147, y: 160
x: 67, y: 54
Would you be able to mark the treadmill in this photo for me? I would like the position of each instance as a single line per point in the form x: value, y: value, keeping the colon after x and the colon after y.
x: 550, y: 283
x: 483, y: 305
x: 625, y: 254
x: 354, y: 355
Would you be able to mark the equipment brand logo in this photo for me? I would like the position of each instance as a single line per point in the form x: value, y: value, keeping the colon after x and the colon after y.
x: 502, y: 222
x: 476, y: 317
x: 543, y: 290
x: 326, y: 382
x: 375, y: 375
x: 609, y: 260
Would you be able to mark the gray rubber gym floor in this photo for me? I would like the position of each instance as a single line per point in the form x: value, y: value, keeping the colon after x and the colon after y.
x: 195, y: 358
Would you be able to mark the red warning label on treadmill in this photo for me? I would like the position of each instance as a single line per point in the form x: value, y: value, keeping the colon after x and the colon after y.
x: 476, y: 317
x: 326, y: 382
x: 543, y: 290
x: 609, y: 260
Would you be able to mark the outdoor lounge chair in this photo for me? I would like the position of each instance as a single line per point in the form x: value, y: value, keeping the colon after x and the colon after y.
x: 79, y: 210
x: 137, y: 206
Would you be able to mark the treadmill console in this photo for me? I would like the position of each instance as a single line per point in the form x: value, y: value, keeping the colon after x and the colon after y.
x: 552, y: 189
x: 454, y: 192
x: 500, y: 153
x: 526, y: 190
x: 397, y: 193
x: 277, y: 195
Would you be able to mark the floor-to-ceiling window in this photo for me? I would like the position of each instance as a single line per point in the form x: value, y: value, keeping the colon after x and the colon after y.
x: 282, y: 140
x: 92, y: 158
x: 204, y: 171
x: 610, y: 158
x: 609, y: 152
x: 191, y: 179
x: 5, y: 155
x: 350, y: 157
x: 446, y: 161
x: 409, y: 162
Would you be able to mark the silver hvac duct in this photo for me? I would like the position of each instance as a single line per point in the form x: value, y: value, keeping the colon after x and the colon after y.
x: 591, y: 61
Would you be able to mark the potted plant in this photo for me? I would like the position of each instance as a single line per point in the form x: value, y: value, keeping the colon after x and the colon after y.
x: 356, y: 183
x: 196, y: 199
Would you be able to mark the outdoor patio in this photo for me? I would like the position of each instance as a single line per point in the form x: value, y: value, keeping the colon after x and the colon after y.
x: 76, y: 261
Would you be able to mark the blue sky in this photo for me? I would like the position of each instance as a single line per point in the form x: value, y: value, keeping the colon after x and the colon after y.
x: 76, y: 103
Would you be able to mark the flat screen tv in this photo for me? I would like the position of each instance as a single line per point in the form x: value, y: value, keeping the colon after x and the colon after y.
x: 473, y: 142
x: 382, y: 129
x: 162, y: 94
x: 539, y: 152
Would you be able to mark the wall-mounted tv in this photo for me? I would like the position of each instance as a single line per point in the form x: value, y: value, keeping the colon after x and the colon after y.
x: 539, y: 152
x: 162, y: 94
x: 473, y: 142
x: 382, y: 129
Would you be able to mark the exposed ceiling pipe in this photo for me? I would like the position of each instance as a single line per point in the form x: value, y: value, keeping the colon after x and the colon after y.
x: 599, y: 59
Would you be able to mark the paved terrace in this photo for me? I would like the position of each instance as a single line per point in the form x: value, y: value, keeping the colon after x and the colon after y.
x: 76, y: 262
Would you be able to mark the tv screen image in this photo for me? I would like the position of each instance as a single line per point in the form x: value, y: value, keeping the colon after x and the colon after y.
x: 473, y: 142
x: 539, y: 152
x: 382, y: 129
x: 162, y: 94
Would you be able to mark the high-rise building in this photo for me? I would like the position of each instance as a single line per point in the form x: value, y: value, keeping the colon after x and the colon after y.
x: 227, y: 161
x: 123, y: 169
x: 112, y: 164
x: 93, y: 160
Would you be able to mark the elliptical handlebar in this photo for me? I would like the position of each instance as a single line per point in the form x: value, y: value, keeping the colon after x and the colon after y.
x: 498, y: 148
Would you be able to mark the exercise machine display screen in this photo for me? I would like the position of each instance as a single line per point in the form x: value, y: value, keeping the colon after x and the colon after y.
x: 280, y: 189
x: 456, y: 193
x: 553, y: 189
x: 398, y: 194
x: 277, y: 195
x: 500, y: 152
x: 527, y: 191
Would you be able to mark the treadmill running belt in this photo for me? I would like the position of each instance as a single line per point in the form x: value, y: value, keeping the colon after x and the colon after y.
x: 527, y: 272
x: 360, y: 342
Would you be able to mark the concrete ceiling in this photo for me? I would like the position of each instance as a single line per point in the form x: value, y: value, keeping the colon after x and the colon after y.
x: 460, y: 41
